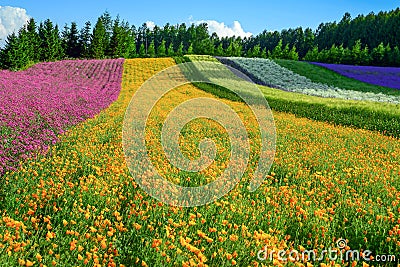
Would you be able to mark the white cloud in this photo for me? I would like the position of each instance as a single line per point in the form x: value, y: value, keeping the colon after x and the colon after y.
x: 11, y: 19
x: 150, y: 24
x: 223, y: 30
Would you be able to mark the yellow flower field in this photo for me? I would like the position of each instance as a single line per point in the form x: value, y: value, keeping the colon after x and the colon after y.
x: 80, y: 206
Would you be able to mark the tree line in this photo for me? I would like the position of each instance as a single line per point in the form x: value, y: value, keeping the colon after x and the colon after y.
x: 364, y: 40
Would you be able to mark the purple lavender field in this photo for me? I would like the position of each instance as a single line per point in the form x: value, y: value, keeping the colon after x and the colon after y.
x: 39, y: 103
x: 383, y: 76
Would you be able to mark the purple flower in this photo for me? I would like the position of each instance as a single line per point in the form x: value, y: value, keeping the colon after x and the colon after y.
x: 38, y: 104
x: 383, y: 76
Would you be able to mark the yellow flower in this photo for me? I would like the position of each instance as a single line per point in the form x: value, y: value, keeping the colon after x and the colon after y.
x: 233, y: 238
x: 72, y: 245
x: 137, y: 226
x: 39, y: 257
x: 103, y: 244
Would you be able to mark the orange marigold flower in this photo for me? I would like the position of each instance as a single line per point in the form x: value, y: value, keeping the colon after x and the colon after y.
x: 137, y: 226
x: 156, y: 243
x: 72, y: 245
x: 21, y: 262
x: 233, y: 238
x: 201, y: 234
x: 50, y: 235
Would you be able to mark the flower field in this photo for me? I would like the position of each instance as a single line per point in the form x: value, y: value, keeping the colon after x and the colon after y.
x: 383, y: 76
x: 269, y: 73
x: 376, y: 116
x: 323, y: 75
x: 38, y: 104
x: 78, y: 205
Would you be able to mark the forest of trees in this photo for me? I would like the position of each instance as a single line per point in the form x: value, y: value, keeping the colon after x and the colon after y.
x: 364, y: 40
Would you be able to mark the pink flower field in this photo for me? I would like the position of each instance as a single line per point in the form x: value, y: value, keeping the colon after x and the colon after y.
x: 39, y: 103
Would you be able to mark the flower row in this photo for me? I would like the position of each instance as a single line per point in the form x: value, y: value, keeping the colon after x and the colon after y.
x: 38, y: 104
x: 271, y: 74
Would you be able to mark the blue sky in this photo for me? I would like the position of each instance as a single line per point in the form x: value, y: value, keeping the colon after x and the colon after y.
x: 253, y: 16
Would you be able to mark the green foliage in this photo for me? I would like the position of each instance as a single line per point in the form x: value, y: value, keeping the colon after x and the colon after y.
x: 220, y: 50
x: 117, y: 41
x: 365, y: 57
x: 206, y: 47
x: 293, y: 55
x: 85, y: 40
x: 180, y: 49
x: 161, y: 49
x: 142, y: 50
x: 312, y: 55
x: 21, y: 50
x: 277, y: 51
x: 51, y: 45
x: 237, y: 48
x: 10, y: 56
x: 190, y: 50
x: 229, y: 50
x: 151, y: 51
x: 98, y: 44
x: 170, y: 50
x: 378, y: 54
x: 130, y: 42
x: 108, y: 28
x: 31, y: 38
x: 395, y: 57
x: 264, y: 53
x: 356, y: 55
x: 256, y: 51
x: 70, y: 41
